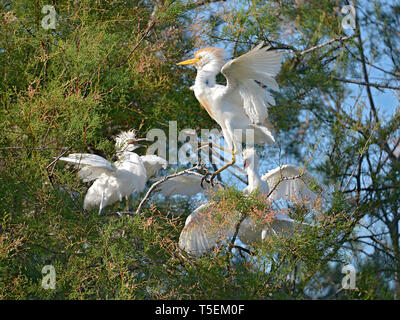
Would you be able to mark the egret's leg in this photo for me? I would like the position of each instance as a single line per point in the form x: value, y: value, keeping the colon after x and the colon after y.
x: 127, y: 202
x: 233, y: 152
x: 213, y: 144
x: 230, y: 140
x: 101, y: 203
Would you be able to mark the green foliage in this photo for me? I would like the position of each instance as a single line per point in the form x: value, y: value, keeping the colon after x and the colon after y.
x: 111, y: 65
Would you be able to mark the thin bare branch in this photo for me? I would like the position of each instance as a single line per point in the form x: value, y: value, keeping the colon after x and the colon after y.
x: 368, y: 84
x: 53, y: 163
x: 340, y: 39
x: 158, y: 182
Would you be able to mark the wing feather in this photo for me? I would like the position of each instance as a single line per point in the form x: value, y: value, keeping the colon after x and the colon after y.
x: 91, y: 165
x: 203, y: 231
x: 299, y: 188
x: 250, y: 74
x: 153, y: 164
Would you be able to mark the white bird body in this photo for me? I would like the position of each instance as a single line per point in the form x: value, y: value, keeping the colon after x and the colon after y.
x: 113, y: 181
x: 243, y: 102
x: 202, y: 231
x: 230, y: 115
x: 128, y: 176
x: 153, y: 164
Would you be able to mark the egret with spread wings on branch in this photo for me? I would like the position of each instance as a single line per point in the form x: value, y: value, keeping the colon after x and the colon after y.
x: 114, y: 181
x: 243, y: 102
x: 202, y: 232
x: 127, y: 141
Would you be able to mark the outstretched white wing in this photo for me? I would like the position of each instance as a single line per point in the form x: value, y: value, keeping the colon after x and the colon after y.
x: 188, y: 185
x: 250, y: 74
x: 91, y: 165
x: 252, y: 230
x: 153, y: 163
x: 204, y: 230
x: 290, y: 182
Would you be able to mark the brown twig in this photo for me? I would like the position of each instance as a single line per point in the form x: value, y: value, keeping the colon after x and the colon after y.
x: 53, y: 163
x: 340, y: 39
x: 367, y: 84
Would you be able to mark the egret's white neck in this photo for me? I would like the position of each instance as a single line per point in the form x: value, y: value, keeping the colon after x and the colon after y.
x: 205, y: 78
x: 254, y: 180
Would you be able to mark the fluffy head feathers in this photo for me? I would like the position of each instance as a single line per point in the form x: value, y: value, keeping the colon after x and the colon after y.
x: 210, y: 57
x: 126, y: 141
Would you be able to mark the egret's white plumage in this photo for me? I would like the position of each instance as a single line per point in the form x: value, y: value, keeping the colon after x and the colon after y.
x: 153, y: 164
x: 295, y: 190
x: 202, y: 231
x: 113, y: 181
x: 188, y: 185
x: 128, y: 176
x: 243, y: 102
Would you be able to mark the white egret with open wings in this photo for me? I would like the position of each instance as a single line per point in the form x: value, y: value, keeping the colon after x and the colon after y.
x: 114, y: 181
x: 201, y: 232
x: 242, y: 104
x: 286, y: 182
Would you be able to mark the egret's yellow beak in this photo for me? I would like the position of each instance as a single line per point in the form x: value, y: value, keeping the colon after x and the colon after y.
x: 190, y: 61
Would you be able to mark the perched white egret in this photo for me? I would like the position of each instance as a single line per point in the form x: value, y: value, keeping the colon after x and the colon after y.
x: 243, y: 102
x: 286, y: 182
x: 202, y: 232
x: 113, y: 181
x: 127, y: 140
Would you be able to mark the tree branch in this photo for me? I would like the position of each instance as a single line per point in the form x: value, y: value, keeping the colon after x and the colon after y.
x: 368, y: 84
x: 340, y: 39
x: 204, y: 2
x: 155, y: 184
x: 53, y: 163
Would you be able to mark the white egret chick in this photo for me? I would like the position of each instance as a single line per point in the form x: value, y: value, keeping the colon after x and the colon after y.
x: 112, y: 181
x: 202, y: 232
x: 286, y: 182
x: 127, y: 140
x: 243, y: 103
